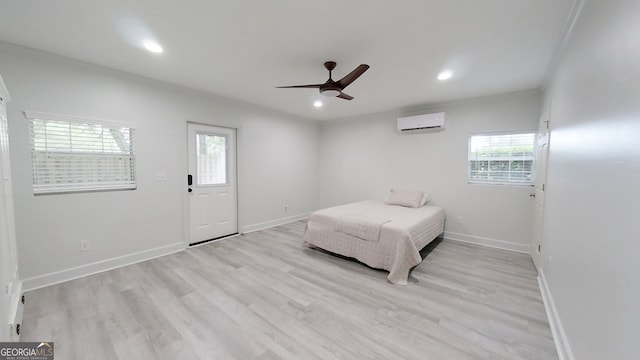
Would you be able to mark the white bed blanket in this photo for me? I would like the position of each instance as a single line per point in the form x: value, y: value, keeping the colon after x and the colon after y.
x: 403, y: 232
x: 361, y: 226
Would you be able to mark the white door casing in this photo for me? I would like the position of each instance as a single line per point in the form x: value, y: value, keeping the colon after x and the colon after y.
x: 212, y: 173
x: 542, y: 149
x: 10, y: 310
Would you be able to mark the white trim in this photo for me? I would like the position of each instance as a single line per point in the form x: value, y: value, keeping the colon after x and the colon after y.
x: 57, y: 277
x: 16, y: 310
x: 272, y: 223
x: 73, y: 118
x: 484, y: 241
x: 186, y: 227
x: 559, y: 336
x: 3, y: 90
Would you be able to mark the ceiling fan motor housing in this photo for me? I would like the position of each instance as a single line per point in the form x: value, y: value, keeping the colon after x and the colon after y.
x: 330, y: 90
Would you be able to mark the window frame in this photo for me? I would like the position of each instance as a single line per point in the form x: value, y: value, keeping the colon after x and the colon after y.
x: 489, y: 182
x: 129, y: 155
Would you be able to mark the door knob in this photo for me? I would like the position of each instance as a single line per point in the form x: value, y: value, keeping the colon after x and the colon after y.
x: 532, y: 195
x: 190, y: 190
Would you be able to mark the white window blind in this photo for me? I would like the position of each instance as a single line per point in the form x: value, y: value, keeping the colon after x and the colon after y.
x: 502, y: 158
x: 71, y: 154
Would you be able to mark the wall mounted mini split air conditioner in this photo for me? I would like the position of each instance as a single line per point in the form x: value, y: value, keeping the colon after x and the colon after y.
x: 433, y: 122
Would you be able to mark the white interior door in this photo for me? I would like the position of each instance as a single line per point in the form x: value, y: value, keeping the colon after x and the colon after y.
x: 8, y: 250
x: 212, y: 182
x: 542, y: 145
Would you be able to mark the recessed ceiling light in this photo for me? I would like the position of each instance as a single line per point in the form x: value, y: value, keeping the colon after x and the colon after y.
x: 317, y: 103
x: 153, y: 46
x: 445, y: 75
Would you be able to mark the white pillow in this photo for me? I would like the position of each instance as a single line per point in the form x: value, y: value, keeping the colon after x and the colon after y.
x: 407, y: 198
x: 425, y: 200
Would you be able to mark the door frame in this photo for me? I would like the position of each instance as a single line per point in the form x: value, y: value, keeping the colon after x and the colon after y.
x: 183, y: 184
x: 536, y: 244
x: 11, y: 308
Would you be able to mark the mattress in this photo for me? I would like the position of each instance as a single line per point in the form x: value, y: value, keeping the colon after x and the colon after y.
x: 382, y: 236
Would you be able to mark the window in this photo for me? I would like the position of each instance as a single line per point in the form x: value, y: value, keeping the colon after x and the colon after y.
x: 72, y: 154
x: 502, y: 158
x: 211, y: 159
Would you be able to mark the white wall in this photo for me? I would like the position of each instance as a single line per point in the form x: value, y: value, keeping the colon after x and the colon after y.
x: 590, y: 238
x: 362, y: 157
x: 277, y: 157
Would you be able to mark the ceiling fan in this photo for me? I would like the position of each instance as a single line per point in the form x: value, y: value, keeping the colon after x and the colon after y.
x: 334, y: 88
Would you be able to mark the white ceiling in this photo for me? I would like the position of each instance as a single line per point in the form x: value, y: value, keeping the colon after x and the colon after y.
x: 242, y: 49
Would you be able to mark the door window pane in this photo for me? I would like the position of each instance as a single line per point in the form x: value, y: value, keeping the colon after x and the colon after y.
x: 211, y: 159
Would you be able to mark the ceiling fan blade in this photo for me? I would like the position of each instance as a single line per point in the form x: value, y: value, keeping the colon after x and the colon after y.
x: 345, y: 96
x: 299, y: 86
x: 345, y: 81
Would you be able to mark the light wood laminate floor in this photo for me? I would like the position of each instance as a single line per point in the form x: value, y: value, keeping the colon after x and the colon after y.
x: 265, y: 295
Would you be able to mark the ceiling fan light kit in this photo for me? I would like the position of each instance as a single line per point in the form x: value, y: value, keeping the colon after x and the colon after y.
x: 330, y: 92
x: 334, y: 88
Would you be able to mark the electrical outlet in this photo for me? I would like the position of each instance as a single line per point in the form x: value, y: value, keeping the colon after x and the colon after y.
x: 85, y: 245
x: 286, y: 207
x: 161, y: 176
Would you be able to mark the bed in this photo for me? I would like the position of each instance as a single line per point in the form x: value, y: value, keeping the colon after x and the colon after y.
x: 382, y: 236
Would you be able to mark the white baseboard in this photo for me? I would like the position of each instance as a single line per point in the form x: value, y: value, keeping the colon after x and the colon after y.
x: 272, y: 223
x: 494, y: 243
x: 57, y: 277
x: 559, y: 336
